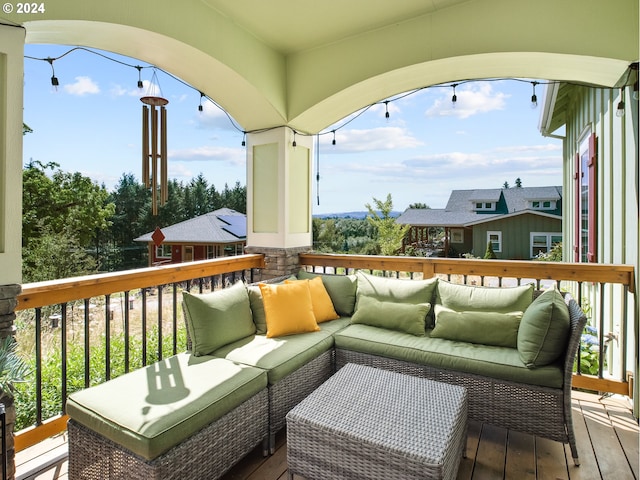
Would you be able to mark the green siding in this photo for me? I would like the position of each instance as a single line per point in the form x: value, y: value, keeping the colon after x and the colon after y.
x: 516, y: 234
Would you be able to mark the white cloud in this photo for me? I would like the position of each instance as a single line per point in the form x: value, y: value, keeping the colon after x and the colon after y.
x: 472, y: 100
x: 212, y: 117
x: 148, y: 89
x: 82, y: 86
x: 234, y: 156
x: 374, y: 139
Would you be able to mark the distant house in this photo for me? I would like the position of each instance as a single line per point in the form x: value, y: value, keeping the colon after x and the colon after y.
x: 520, y: 222
x: 220, y: 233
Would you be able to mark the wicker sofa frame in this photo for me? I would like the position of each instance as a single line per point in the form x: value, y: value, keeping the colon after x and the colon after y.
x: 540, y: 411
x: 210, y: 452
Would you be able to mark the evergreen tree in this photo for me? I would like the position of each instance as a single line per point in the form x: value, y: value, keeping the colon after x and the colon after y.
x: 489, y: 254
x: 389, y: 232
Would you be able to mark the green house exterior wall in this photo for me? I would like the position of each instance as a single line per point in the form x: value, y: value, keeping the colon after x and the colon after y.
x: 516, y: 234
x: 617, y: 180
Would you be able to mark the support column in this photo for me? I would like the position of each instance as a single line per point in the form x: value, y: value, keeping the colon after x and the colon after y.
x: 11, y: 95
x: 279, y: 193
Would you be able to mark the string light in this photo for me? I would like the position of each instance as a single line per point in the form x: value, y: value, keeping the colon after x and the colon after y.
x: 140, y: 84
x: 534, y: 100
x: 294, y: 144
x: 54, y: 79
x: 244, y: 139
x: 200, y: 108
x: 333, y: 142
x: 620, y: 109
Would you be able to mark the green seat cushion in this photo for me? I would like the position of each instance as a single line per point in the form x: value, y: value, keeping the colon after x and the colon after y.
x: 150, y: 410
x: 218, y: 318
x: 282, y: 355
x: 464, y: 298
x: 544, y: 329
x: 404, y: 317
x: 487, y: 328
x: 501, y: 363
x: 341, y: 289
x: 396, y: 290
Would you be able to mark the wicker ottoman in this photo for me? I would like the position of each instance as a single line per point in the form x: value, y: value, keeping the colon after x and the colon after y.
x: 367, y: 423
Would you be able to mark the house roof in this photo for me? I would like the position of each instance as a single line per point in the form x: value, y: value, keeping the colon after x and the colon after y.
x: 460, y: 211
x: 220, y: 226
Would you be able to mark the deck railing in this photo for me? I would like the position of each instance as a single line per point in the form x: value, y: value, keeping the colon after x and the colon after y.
x: 143, y: 306
x: 88, y: 313
x: 606, y: 292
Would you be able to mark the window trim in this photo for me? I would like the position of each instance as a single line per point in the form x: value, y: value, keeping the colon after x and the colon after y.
x: 498, y: 233
x: 587, y: 145
x: 162, y: 249
x: 548, y: 235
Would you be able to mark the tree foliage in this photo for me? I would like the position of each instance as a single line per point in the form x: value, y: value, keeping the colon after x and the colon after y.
x: 389, y: 232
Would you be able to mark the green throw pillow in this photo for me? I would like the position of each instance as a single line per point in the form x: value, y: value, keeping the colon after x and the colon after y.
x: 396, y: 290
x: 257, y: 309
x: 486, y: 328
x: 218, y: 318
x: 462, y: 298
x: 544, y: 329
x: 404, y: 317
x: 341, y: 289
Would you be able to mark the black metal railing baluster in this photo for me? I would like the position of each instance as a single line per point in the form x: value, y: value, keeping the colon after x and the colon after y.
x: 87, y: 341
x: 128, y: 304
x: 38, y: 366
x: 107, y: 337
x: 160, y: 287
x: 63, y: 355
x: 144, y: 326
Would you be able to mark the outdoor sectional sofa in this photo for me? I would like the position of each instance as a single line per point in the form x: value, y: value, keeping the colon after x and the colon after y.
x: 256, y: 351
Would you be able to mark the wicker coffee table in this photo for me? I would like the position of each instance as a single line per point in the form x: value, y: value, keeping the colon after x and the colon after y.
x: 367, y: 423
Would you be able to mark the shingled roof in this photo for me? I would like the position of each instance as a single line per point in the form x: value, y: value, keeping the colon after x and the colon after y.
x: 460, y: 211
x: 220, y: 226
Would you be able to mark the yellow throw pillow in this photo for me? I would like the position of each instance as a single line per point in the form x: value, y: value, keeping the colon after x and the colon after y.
x: 288, y: 309
x: 320, y: 299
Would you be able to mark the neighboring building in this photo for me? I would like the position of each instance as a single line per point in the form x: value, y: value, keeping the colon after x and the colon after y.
x: 220, y: 233
x: 520, y: 222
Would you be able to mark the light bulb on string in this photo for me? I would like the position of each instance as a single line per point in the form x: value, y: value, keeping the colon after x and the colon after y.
x: 534, y: 97
x: 386, y: 107
x: 454, y: 97
x: 200, y: 108
x: 140, y: 84
x: 294, y: 144
x: 244, y: 141
x: 333, y: 142
x: 54, y: 79
x: 620, y: 108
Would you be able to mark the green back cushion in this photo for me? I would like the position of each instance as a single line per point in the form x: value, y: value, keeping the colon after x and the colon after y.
x: 341, y: 289
x: 218, y: 318
x: 395, y: 290
x: 404, y: 317
x: 463, y: 298
x: 544, y: 329
x: 257, y: 308
x: 486, y: 328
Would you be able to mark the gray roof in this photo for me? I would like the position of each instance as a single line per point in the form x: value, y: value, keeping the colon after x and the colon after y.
x: 460, y: 212
x: 208, y: 228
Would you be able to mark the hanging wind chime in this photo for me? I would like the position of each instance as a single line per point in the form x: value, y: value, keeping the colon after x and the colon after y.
x: 154, y: 147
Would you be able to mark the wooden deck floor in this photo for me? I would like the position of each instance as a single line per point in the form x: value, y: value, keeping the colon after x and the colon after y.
x: 607, y: 435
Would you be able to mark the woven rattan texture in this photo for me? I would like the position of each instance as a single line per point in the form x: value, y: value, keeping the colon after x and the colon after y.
x: 208, y: 454
x: 290, y: 390
x: 540, y: 411
x: 376, y: 424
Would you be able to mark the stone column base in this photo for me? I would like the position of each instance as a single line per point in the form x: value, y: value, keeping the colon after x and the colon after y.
x: 8, y: 302
x: 278, y: 261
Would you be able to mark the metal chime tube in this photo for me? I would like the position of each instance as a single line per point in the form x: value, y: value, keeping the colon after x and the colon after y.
x: 154, y: 131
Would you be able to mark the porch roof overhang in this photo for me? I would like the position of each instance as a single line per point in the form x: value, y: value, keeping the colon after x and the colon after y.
x: 307, y: 64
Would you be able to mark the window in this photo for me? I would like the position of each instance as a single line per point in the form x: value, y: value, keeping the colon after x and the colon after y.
x: 543, y: 242
x: 496, y: 241
x: 211, y: 251
x: 457, y: 235
x: 485, y: 205
x: 543, y: 205
x: 585, y: 225
x: 163, y: 251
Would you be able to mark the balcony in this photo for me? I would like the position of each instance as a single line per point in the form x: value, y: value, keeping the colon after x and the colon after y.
x: 140, y: 310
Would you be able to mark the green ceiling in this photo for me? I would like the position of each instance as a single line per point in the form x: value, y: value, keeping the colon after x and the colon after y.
x: 309, y: 63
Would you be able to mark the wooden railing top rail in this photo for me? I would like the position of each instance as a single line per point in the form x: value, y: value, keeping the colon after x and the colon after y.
x: 429, y: 267
x: 54, y: 292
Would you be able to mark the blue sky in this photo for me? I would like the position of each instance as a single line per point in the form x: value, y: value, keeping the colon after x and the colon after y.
x: 92, y: 124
